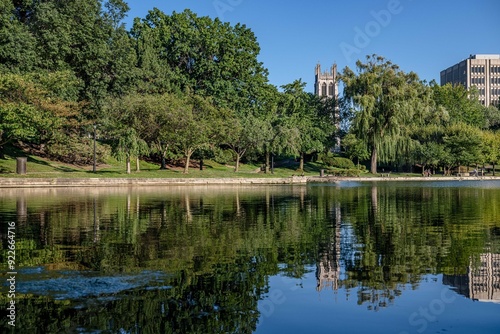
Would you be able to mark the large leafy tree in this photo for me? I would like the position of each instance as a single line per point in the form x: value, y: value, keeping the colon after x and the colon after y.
x: 463, y: 142
x: 203, y: 56
x: 381, y: 98
x: 490, y: 148
x: 463, y: 106
x: 31, y: 113
x: 17, y: 44
x: 127, y: 124
x: 242, y: 134
x: 83, y: 36
x: 312, y: 126
x: 195, y: 125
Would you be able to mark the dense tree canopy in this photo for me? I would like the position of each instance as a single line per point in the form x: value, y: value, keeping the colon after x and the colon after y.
x: 180, y: 83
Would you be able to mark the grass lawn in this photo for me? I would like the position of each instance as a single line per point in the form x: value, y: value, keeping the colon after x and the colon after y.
x: 40, y: 167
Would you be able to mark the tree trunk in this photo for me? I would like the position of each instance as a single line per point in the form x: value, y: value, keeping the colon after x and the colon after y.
x: 201, y: 164
x: 301, y: 164
x: 186, y: 167
x: 237, y: 167
x: 373, y: 167
x: 493, y: 169
x: 128, y: 164
x: 267, y: 162
x: 137, y: 166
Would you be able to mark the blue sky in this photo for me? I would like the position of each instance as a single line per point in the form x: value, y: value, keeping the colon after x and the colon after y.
x: 424, y: 36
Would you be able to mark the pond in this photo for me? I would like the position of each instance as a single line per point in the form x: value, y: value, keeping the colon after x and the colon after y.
x: 347, y: 257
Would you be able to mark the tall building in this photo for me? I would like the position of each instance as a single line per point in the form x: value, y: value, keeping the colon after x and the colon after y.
x: 325, y: 83
x: 482, y: 282
x: 482, y: 71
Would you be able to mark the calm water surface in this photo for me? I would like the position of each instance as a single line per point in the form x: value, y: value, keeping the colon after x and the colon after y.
x: 351, y: 257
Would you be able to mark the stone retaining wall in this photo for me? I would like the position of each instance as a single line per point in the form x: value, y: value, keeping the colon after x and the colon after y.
x: 295, y: 180
x: 117, y: 182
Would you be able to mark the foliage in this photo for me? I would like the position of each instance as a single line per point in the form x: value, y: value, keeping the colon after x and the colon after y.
x: 30, y: 113
x: 462, y: 142
x: 461, y: 105
x: 354, y: 148
x: 174, y: 84
x: 381, y: 98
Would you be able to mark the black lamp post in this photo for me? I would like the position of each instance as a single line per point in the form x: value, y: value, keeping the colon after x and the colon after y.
x: 94, y: 169
x: 163, y: 162
x: 272, y: 163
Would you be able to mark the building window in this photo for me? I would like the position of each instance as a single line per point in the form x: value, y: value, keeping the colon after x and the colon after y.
x: 330, y: 89
x: 323, y: 89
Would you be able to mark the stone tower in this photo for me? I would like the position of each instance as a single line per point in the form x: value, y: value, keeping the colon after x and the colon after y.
x: 325, y: 83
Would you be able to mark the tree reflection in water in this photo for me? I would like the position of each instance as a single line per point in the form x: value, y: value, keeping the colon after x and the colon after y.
x: 217, y: 247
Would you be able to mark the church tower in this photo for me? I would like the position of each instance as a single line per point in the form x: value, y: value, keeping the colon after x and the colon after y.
x: 325, y: 83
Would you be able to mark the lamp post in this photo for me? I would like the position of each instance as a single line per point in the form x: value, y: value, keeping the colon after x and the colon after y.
x: 94, y: 169
x: 163, y: 162
x: 272, y: 163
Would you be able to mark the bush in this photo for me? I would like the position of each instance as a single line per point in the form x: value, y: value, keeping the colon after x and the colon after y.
x: 223, y: 157
x: 328, y: 159
x: 351, y: 172
x: 339, y: 162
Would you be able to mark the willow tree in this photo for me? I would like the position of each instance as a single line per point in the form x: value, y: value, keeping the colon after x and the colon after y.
x: 381, y: 99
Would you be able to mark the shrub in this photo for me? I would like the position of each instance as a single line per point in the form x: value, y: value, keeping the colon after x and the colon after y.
x: 328, y: 159
x: 223, y: 157
x: 340, y: 162
x: 344, y: 172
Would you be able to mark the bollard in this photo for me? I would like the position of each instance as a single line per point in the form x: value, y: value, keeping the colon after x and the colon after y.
x: 322, y: 173
x: 21, y: 165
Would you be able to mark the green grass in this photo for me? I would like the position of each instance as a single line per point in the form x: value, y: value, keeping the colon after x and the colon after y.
x: 38, y: 167
x: 44, y: 168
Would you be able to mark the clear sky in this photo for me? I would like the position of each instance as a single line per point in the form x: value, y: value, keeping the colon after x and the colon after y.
x: 424, y: 36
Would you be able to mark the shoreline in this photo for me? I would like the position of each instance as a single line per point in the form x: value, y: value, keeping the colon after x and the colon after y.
x: 294, y: 180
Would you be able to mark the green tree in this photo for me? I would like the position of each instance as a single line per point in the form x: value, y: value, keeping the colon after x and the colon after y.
x: 463, y: 143
x: 242, y: 134
x: 204, y: 56
x: 462, y: 105
x: 490, y: 148
x: 30, y: 113
x: 355, y: 148
x: 195, y: 126
x: 309, y: 126
x: 17, y: 44
x: 492, y: 118
x: 129, y: 124
x: 381, y: 98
